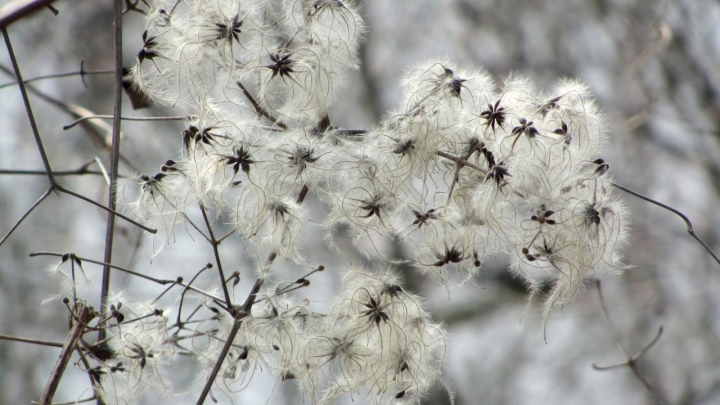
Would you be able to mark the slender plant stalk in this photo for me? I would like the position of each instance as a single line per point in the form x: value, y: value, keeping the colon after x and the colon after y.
x: 18, y: 9
x: 84, y: 315
x: 630, y: 361
x: 112, y: 117
x: 57, y: 173
x: 114, y: 159
x: 33, y: 341
x: 60, y: 75
x: 28, y: 109
x: 243, y: 312
x: 134, y: 273
x: 690, y: 229
x: 25, y: 215
x: 96, y: 130
x: 214, y: 242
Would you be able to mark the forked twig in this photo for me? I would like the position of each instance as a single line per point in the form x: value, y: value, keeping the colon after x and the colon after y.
x: 690, y: 229
x: 128, y: 271
x: 630, y: 361
x: 93, y: 129
x: 240, y: 314
x: 215, y: 243
x: 19, y: 221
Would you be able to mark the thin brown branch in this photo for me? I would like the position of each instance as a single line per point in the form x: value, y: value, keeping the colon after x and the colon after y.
x: 459, y: 166
x: 95, y: 129
x: 60, y: 75
x: 241, y: 313
x: 28, y: 109
x: 84, y: 316
x: 33, y: 341
x: 215, y: 243
x: 460, y: 161
x: 19, y: 221
x: 259, y: 109
x: 114, y: 159
x: 128, y: 271
x: 179, y: 322
x: 79, y: 401
x: 57, y: 173
x: 82, y: 170
x: 110, y: 211
x: 690, y: 229
x: 110, y: 117
x: 18, y: 9
x: 630, y: 362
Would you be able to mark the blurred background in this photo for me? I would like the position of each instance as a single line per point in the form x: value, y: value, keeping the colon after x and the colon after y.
x: 654, y: 67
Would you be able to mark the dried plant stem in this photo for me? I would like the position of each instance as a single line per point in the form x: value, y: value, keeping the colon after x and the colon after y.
x: 28, y: 109
x: 630, y: 361
x: 114, y: 159
x: 240, y: 313
x: 690, y: 229
x: 110, y: 210
x: 96, y: 130
x: 18, y: 222
x: 20, y: 8
x: 82, y: 72
x: 59, y: 188
x: 43, y: 155
x: 33, y: 341
x: 134, y: 273
x: 461, y: 162
x: 79, y: 401
x: 111, y: 117
x: 215, y: 243
x: 57, y: 173
x: 84, y: 316
x: 259, y: 109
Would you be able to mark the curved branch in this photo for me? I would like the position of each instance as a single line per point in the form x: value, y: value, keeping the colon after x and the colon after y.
x: 690, y: 229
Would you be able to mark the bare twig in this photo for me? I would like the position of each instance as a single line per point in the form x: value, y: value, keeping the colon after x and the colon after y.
x: 60, y: 75
x: 241, y: 313
x: 690, y: 229
x: 79, y: 401
x: 84, y: 315
x: 18, y: 9
x: 28, y: 109
x: 630, y: 361
x: 215, y: 243
x: 19, y: 221
x: 259, y: 109
x: 114, y: 159
x: 76, y: 172
x: 460, y: 161
x: 33, y: 341
x: 182, y: 295
x: 110, y: 211
x: 57, y: 187
x: 128, y: 271
x: 110, y: 117
x: 94, y: 129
